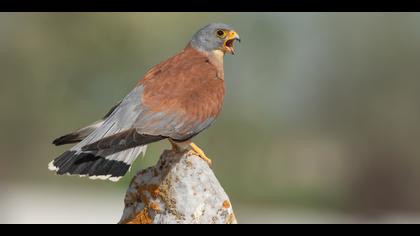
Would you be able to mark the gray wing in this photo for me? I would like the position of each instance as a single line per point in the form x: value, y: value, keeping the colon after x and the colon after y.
x: 114, y: 160
x: 82, y: 133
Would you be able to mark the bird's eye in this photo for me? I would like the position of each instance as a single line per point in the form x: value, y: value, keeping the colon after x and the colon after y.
x: 221, y: 33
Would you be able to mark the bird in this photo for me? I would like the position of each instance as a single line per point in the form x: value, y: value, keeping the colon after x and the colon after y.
x: 175, y: 100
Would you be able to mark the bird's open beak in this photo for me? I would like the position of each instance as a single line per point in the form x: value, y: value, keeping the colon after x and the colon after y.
x: 230, y: 39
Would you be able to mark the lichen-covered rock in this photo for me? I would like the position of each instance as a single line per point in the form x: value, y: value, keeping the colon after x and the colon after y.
x: 180, y: 188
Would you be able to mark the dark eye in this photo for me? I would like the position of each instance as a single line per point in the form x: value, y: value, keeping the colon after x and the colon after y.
x: 221, y: 33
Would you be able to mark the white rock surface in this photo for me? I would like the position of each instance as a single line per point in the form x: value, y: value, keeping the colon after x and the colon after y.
x: 180, y: 188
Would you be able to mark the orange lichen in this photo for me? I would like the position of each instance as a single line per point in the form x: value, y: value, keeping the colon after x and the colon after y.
x: 144, y: 194
x: 226, y: 204
x: 152, y: 189
x: 142, y: 217
x: 155, y: 191
x: 154, y: 206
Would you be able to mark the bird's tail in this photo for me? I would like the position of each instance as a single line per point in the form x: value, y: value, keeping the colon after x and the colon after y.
x: 101, y: 164
x: 111, y: 162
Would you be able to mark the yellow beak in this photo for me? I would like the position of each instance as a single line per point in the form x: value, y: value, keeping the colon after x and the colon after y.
x: 230, y: 39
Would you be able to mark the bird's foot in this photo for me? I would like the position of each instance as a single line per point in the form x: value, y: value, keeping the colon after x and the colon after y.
x: 195, y: 150
x: 192, y: 148
x: 175, y: 147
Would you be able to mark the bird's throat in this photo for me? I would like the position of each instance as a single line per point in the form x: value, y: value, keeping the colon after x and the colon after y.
x: 216, y: 58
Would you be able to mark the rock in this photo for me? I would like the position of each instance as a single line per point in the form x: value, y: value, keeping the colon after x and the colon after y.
x: 180, y: 189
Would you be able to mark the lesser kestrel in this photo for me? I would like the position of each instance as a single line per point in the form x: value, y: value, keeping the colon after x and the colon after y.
x: 176, y: 100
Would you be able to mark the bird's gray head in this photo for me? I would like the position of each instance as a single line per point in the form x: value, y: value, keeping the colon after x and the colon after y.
x: 216, y: 36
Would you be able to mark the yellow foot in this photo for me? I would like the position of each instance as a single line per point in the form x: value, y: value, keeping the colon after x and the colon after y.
x: 196, y: 150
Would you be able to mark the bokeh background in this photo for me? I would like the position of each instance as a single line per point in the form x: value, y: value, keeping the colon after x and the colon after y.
x: 321, y: 121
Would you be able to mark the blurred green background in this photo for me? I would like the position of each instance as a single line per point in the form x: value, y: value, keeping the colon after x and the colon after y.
x: 320, y: 121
